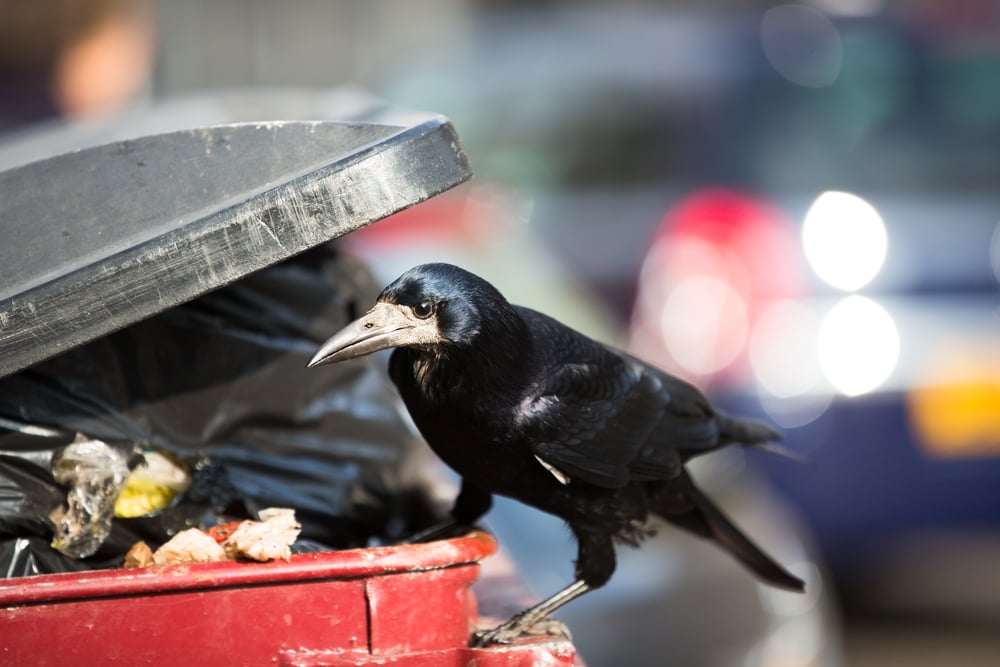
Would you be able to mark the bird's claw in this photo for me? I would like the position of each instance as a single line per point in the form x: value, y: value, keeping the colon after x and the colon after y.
x: 498, y: 635
x: 549, y: 627
x: 515, y: 627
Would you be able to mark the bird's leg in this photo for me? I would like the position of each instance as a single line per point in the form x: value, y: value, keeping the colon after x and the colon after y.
x: 522, y: 622
x: 594, y: 566
x: 472, y: 502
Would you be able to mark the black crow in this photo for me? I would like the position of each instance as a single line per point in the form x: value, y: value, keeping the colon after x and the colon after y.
x: 523, y: 406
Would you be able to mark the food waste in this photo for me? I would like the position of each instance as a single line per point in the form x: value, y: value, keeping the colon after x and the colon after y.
x: 268, y: 539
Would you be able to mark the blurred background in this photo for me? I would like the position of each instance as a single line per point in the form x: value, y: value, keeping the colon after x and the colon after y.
x: 792, y: 205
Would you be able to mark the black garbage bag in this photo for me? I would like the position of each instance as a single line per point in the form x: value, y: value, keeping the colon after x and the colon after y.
x: 221, y: 383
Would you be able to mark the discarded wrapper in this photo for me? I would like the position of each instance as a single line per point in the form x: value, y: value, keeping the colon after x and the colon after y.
x: 152, y: 485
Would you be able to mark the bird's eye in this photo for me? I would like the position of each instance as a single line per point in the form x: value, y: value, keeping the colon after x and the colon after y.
x: 423, y: 310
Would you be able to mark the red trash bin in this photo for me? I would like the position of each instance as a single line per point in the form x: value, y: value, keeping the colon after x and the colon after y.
x: 407, y: 606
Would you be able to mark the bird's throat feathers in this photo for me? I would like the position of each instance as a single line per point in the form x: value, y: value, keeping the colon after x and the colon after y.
x: 489, y: 363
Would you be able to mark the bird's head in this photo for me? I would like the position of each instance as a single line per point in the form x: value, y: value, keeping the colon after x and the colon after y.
x: 431, y: 306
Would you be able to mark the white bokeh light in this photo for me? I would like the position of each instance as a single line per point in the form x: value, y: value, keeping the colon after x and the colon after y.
x: 795, y: 411
x: 785, y: 362
x: 703, y: 324
x: 850, y: 7
x: 858, y: 345
x: 844, y: 239
x: 783, y: 349
x: 802, y: 45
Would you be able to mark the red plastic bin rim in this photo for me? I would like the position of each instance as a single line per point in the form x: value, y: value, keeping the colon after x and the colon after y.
x: 156, y: 580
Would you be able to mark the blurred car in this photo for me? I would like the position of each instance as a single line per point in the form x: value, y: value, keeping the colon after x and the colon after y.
x: 890, y: 394
x: 879, y: 359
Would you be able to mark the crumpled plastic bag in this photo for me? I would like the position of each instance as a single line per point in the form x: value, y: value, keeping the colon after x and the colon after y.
x: 221, y: 383
x: 95, y: 474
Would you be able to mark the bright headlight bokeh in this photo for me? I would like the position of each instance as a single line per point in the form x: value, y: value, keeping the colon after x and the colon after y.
x: 844, y: 240
x: 858, y: 345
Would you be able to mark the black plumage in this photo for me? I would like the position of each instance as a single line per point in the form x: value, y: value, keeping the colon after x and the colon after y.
x: 523, y: 406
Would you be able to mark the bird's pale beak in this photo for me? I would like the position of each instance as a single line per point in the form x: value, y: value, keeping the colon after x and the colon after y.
x: 384, y: 326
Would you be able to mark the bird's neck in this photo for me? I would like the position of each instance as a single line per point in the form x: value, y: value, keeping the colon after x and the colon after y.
x: 492, y: 368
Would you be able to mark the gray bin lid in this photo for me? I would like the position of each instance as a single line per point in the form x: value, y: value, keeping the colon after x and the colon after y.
x: 99, y: 238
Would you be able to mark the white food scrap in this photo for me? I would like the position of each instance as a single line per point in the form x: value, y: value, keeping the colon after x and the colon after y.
x: 189, y: 546
x: 267, y: 539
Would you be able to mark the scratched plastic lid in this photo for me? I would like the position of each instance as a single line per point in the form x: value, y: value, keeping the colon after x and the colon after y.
x: 101, y: 237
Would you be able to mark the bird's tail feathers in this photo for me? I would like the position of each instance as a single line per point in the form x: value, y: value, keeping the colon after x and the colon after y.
x: 706, y: 520
x: 756, y: 434
x: 747, y: 431
x: 780, y: 450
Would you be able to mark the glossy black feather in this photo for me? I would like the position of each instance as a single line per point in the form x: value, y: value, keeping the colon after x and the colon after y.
x: 509, y: 388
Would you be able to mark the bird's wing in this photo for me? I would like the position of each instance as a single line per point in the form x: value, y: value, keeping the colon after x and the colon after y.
x: 689, y: 426
x: 588, y: 421
x: 605, y: 418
